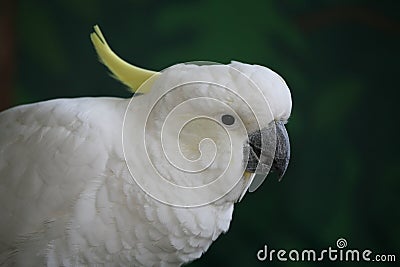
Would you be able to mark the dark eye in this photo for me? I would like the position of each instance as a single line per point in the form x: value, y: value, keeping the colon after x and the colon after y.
x: 228, y: 119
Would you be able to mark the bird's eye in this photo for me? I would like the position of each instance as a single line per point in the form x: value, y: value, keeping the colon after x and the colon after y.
x: 228, y: 119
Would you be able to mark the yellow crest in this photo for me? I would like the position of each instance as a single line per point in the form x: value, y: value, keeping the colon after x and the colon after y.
x: 128, y: 74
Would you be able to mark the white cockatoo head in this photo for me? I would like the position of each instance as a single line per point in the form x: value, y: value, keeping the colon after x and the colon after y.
x: 204, y: 130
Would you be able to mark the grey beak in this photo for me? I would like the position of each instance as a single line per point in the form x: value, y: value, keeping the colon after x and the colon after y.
x: 269, y: 149
x: 282, y: 151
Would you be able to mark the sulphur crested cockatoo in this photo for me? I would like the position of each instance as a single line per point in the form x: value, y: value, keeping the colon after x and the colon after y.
x: 146, y: 181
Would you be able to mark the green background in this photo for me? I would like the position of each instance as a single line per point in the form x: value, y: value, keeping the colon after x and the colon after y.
x: 340, y: 59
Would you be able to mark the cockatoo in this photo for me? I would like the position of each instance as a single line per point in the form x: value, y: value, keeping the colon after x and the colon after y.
x: 146, y: 181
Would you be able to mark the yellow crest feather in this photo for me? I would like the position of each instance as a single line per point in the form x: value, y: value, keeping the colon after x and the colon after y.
x: 128, y: 74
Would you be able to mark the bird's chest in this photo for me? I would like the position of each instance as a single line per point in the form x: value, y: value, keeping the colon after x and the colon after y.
x: 132, y: 227
x: 161, y: 233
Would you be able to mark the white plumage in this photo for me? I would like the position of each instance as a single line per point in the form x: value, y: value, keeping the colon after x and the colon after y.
x: 67, y: 196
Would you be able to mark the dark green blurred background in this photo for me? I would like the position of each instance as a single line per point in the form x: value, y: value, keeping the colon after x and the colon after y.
x: 340, y: 59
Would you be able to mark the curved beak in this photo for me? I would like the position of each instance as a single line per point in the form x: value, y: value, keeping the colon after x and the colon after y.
x: 282, y: 151
x: 270, y: 144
